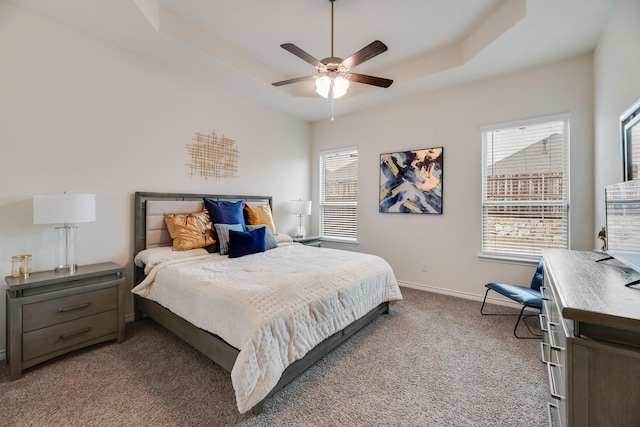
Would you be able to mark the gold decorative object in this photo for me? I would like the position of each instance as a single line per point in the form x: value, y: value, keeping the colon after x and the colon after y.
x: 20, y: 265
x: 602, y: 235
x: 213, y: 156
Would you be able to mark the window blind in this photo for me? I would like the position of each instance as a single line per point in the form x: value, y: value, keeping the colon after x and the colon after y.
x: 339, y: 194
x: 525, y: 188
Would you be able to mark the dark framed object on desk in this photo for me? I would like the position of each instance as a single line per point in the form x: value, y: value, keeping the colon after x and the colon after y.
x: 630, y: 137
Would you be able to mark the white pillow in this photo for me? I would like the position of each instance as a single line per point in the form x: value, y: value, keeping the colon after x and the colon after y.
x: 283, y: 238
x: 151, y: 257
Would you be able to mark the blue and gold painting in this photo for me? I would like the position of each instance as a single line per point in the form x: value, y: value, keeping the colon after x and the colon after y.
x: 411, y: 181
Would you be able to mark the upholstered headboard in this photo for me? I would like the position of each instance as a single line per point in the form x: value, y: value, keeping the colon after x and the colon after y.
x: 149, y: 226
x: 156, y: 232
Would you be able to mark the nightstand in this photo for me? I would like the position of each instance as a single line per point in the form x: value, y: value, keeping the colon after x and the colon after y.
x: 50, y: 314
x: 308, y: 240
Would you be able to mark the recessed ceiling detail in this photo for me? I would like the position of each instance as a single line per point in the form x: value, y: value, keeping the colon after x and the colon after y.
x: 432, y: 45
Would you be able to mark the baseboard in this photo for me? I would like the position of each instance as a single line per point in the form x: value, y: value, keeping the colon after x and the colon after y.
x: 3, y: 355
x: 460, y: 294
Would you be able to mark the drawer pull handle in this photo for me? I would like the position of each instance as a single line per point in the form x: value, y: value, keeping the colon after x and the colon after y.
x: 542, y: 351
x: 543, y: 293
x: 73, y: 334
x: 75, y: 307
x: 552, y: 339
x: 552, y: 381
x: 543, y: 322
x: 550, y: 408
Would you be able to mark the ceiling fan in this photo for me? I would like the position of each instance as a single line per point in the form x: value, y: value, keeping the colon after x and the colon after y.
x: 334, y: 74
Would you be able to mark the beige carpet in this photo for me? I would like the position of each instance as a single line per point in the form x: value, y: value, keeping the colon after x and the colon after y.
x: 433, y: 361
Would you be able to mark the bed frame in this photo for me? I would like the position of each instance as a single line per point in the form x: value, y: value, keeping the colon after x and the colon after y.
x: 150, y: 230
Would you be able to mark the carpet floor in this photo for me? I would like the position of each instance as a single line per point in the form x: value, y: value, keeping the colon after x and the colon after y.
x: 433, y: 361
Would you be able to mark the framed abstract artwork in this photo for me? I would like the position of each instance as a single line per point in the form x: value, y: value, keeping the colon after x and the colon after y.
x: 411, y: 181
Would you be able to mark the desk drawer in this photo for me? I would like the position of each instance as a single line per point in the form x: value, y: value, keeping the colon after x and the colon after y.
x: 57, y: 337
x: 58, y: 310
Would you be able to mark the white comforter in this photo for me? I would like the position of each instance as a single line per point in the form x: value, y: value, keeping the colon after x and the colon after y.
x: 274, y: 306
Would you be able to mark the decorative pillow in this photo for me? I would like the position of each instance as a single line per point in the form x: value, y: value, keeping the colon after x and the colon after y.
x: 223, y: 212
x: 255, y: 215
x: 283, y: 238
x: 269, y: 241
x: 190, y: 231
x: 149, y: 258
x: 243, y: 243
x: 223, y: 235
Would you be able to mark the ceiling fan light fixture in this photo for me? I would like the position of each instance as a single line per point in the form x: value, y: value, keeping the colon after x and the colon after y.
x: 340, y: 86
x: 335, y: 73
x: 326, y: 84
x: 323, y: 85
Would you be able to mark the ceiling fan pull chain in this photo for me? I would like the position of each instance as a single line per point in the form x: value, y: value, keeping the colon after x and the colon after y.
x: 331, y: 95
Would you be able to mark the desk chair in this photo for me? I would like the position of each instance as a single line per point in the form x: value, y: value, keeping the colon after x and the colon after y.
x: 527, y: 297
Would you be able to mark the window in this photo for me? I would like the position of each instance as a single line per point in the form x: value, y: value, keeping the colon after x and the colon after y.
x: 630, y: 133
x: 525, y: 187
x: 339, y: 194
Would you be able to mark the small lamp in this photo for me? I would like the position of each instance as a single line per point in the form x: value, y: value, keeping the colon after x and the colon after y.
x: 300, y: 208
x: 66, y: 209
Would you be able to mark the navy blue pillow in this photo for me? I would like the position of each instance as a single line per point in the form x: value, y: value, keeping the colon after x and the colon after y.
x: 224, y: 212
x: 270, y: 242
x: 243, y: 243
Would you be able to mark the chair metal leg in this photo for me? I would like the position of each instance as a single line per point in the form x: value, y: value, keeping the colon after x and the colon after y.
x: 520, y: 316
x: 484, y: 300
x: 515, y: 329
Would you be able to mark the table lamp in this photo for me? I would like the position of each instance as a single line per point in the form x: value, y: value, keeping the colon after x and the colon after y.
x: 66, y: 209
x: 300, y: 208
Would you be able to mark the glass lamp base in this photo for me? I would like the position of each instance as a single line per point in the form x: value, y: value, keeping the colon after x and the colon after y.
x: 66, y: 269
x: 66, y: 249
x: 300, y: 232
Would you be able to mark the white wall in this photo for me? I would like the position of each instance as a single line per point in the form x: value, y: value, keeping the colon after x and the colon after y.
x: 617, y: 87
x: 81, y: 115
x: 450, y: 243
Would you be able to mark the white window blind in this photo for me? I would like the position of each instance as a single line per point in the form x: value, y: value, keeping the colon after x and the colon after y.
x: 339, y: 194
x: 525, y: 187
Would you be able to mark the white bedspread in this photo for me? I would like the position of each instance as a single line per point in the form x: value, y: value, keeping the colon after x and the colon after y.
x: 273, y: 306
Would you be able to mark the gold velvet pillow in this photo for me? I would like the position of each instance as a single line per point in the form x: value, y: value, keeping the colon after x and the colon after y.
x: 256, y: 215
x: 190, y: 231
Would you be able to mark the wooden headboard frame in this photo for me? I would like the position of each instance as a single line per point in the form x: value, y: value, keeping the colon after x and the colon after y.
x: 149, y: 227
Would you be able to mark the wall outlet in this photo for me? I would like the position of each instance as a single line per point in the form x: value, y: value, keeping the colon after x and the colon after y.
x: 423, y: 267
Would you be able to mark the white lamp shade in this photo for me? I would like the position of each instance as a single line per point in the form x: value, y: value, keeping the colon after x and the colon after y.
x: 300, y: 207
x: 340, y: 86
x: 63, y: 208
x: 323, y: 84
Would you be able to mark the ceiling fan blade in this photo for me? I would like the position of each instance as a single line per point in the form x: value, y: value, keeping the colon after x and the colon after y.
x: 302, y: 54
x: 296, y: 80
x: 370, y: 80
x: 373, y: 49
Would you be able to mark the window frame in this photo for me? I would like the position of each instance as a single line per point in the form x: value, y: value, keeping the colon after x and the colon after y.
x: 348, y: 204
x: 530, y: 257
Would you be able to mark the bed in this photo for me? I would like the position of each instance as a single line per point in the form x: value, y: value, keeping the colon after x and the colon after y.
x: 265, y: 317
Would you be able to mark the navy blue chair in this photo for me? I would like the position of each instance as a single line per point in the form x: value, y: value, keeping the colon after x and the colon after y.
x: 527, y: 297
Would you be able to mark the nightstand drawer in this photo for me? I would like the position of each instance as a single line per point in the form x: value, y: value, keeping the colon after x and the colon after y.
x: 58, y: 310
x: 47, y: 340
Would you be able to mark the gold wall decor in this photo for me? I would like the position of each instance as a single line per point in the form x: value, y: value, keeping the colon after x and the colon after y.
x: 213, y: 156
